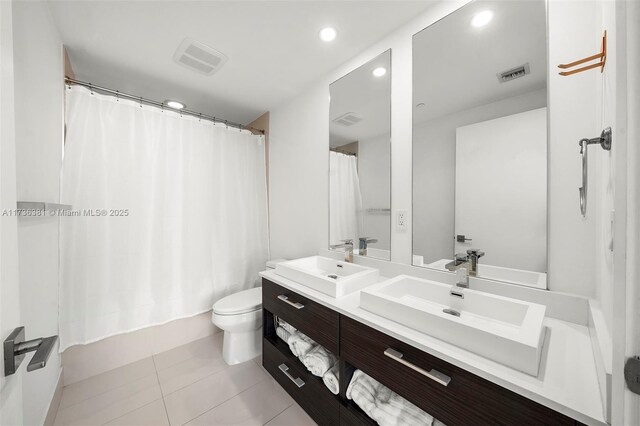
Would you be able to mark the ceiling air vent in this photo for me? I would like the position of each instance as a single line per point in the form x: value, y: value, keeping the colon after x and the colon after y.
x: 514, y: 73
x: 348, y: 119
x: 199, y: 57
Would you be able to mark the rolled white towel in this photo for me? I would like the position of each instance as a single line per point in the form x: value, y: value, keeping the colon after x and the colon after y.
x: 383, y: 405
x: 283, y: 334
x: 300, y: 344
x: 359, y: 379
x: 318, y: 360
x: 331, y: 379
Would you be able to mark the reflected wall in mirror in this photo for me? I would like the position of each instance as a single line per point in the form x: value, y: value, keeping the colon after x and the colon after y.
x: 360, y: 159
x: 480, y: 141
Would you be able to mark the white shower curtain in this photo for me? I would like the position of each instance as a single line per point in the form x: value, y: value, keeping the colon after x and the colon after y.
x: 345, y: 204
x: 172, y: 216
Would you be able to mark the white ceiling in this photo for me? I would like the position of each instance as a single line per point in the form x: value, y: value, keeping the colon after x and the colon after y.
x: 368, y: 96
x: 273, y: 46
x: 455, y: 64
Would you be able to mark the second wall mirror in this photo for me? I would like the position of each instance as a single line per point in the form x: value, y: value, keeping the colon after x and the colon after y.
x: 360, y: 159
x: 480, y: 141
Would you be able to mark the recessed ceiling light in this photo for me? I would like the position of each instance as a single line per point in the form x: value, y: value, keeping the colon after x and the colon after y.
x: 328, y: 34
x: 420, y: 105
x: 379, y: 72
x: 482, y: 18
x: 174, y: 104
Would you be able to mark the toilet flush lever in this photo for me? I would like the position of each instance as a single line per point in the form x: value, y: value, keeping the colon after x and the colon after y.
x: 15, y: 347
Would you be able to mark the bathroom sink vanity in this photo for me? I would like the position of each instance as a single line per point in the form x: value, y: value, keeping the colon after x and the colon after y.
x: 507, y: 330
x: 396, y: 356
x: 327, y: 275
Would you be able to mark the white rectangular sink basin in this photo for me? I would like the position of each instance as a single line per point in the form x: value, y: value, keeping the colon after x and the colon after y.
x: 499, y: 273
x: 505, y: 330
x: 333, y: 277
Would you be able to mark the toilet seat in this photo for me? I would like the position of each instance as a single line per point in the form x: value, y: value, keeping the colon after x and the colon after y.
x: 239, y: 303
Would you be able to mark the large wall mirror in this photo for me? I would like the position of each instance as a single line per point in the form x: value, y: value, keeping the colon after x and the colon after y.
x: 360, y: 159
x: 480, y: 141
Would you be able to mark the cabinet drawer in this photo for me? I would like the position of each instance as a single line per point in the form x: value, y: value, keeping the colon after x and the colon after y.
x: 466, y: 399
x: 316, y: 321
x: 307, y: 389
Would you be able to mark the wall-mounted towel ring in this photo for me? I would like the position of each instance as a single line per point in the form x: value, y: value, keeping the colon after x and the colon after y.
x: 605, y: 142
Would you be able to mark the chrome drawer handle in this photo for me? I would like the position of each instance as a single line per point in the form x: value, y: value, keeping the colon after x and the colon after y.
x: 298, y: 382
x: 296, y: 305
x: 434, y: 375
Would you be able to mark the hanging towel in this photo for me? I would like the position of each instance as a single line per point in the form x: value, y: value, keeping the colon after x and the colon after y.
x: 283, y: 334
x: 300, y: 344
x: 383, y: 405
x: 318, y: 360
x: 331, y: 379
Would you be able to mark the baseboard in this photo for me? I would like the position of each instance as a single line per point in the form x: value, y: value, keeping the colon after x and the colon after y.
x: 83, y: 361
x: 50, y: 419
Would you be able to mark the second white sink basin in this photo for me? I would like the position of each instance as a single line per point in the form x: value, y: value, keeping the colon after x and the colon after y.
x: 508, y: 331
x: 333, y: 277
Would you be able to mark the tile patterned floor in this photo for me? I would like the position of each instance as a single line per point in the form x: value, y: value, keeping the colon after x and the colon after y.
x: 188, y: 385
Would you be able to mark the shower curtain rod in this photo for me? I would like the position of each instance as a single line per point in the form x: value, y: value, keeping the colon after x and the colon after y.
x: 117, y: 93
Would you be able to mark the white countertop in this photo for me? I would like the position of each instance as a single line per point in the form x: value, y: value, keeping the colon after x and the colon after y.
x: 566, y: 382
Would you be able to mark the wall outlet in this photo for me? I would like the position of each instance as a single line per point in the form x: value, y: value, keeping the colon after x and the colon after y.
x: 402, y: 219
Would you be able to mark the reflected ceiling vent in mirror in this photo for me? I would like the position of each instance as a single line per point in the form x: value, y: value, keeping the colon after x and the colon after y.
x: 514, y: 73
x: 348, y: 119
x: 199, y: 57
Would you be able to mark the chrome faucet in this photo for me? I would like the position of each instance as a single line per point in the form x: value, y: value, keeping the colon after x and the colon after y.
x: 460, y: 264
x: 474, y: 255
x: 348, y: 249
x: 469, y: 262
x: 364, y: 242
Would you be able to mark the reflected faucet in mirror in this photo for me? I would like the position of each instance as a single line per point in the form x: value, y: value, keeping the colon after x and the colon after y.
x: 348, y: 249
x: 364, y: 242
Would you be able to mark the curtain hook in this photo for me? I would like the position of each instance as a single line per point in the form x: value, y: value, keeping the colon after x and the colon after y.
x: 117, y: 96
x: 200, y: 117
x: 91, y: 88
x: 140, y: 101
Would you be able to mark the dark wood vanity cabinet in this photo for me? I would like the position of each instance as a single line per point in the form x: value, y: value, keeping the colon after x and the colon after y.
x: 316, y: 321
x: 308, y: 391
x: 467, y: 399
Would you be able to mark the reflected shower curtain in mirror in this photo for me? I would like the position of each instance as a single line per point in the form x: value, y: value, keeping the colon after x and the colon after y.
x: 345, y: 221
x: 172, y: 216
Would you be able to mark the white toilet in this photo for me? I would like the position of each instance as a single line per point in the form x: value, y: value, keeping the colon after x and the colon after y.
x: 240, y: 316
